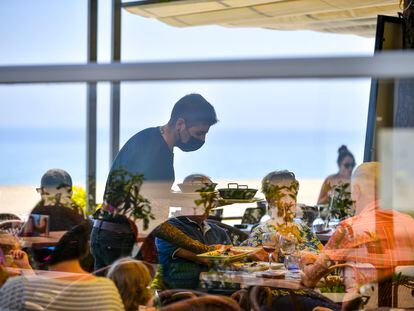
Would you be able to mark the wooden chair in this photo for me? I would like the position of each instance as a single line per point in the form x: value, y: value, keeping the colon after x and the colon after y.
x: 403, y: 285
x: 12, y: 227
x: 205, y: 303
x: 148, y: 251
x: 236, y: 235
x: 242, y: 298
x: 170, y: 296
x: 260, y: 296
x: 8, y: 216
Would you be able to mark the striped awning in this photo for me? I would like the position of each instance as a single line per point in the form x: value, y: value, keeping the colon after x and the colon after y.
x: 338, y: 16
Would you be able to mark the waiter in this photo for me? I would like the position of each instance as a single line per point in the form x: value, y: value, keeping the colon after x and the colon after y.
x: 150, y: 153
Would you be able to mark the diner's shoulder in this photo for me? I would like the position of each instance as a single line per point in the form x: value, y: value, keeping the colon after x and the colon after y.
x: 255, y: 237
x: 310, y: 240
x: 141, y: 141
x: 133, y: 150
x: 9, y: 299
x: 222, y: 233
x: 330, y: 180
x: 93, y: 294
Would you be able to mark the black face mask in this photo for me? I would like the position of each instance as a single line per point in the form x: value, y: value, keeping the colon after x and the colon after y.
x: 193, y: 144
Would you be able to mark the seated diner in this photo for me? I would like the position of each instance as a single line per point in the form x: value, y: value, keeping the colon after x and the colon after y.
x: 56, y: 201
x: 375, y: 236
x: 132, y: 279
x: 66, y: 286
x: 281, y: 189
x: 180, y: 268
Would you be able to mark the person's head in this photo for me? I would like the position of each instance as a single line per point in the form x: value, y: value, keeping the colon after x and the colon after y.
x: 364, y: 185
x: 345, y: 161
x: 55, y: 187
x: 132, y: 279
x: 190, y: 121
x: 73, y: 245
x: 281, y: 189
x: 8, y: 242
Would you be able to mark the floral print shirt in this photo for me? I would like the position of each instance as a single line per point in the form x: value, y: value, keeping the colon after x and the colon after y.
x: 307, y: 239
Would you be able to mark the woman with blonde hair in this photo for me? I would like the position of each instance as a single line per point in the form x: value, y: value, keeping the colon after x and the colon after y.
x: 132, y: 279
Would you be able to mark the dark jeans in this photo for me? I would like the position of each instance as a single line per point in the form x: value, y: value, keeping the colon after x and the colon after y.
x: 108, y: 246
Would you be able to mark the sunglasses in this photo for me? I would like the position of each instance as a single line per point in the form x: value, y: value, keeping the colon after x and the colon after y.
x: 349, y: 165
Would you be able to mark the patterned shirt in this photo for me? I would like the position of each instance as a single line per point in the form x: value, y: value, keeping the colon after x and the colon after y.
x: 309, y: 240
x: 181, y: 273
x: 383, y: 238
x: 42, y: 293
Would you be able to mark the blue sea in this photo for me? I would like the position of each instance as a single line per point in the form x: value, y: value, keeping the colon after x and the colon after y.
x: 25, y: 154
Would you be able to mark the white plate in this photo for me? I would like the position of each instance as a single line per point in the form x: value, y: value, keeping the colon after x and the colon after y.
x: 258, y: 266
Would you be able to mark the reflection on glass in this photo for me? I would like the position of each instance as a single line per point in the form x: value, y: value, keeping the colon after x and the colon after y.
x: 287, y: 245
x: 318, y: 224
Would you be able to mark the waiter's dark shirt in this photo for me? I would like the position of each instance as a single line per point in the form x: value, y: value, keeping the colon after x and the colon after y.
x: 147, y: 153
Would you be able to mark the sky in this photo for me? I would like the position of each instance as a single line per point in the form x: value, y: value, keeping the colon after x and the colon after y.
x: 263, y: 125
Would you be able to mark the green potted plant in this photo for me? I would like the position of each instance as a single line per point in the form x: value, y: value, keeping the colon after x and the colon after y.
x: 341, y: 204
x: 209, y: 198
x: 123, y: 198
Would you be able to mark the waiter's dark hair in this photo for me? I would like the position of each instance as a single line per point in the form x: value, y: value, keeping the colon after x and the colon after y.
x: 193, y: 108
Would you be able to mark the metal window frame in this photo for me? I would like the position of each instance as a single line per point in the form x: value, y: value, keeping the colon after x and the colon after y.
x: 386, y: 65
x: 91, y: 108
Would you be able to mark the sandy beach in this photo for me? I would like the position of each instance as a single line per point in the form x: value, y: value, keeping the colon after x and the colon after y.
x: 20, y: 199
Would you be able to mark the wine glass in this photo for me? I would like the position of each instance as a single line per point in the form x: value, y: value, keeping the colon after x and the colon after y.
x: 287, y: 244
x: 318, y: 224
x: 269, y: 244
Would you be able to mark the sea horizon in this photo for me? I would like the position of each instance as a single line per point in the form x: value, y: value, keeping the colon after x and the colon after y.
x: 20, y: 199
x: 227, y: 154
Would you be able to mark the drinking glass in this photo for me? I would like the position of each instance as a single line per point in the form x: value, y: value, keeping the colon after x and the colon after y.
x: 269, y: 244
x: 318, y: 224
x: 287, y: 244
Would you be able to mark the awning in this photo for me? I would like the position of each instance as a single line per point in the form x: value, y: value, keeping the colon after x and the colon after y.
x: 337, y: 16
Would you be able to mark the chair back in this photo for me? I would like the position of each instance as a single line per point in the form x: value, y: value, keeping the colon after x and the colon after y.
x: 169, y: 296
x: 260, y: 296
x: 148, y: 251
x: 205, y: 303
x: 242, y: 298
x: 252, y: 215
x: 8, y: 216
x: 12, y: 227
x: 236, y: 235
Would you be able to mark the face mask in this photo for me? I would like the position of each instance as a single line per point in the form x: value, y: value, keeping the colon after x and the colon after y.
x: 192, y: 144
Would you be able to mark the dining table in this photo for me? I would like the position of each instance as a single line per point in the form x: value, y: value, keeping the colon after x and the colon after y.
x: 49, y: 240
x: 53, y: 238
x: 247, y: 279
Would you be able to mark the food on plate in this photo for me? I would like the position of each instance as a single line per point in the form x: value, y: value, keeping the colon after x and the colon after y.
x: 256, y: 266
x: 232, y: 253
